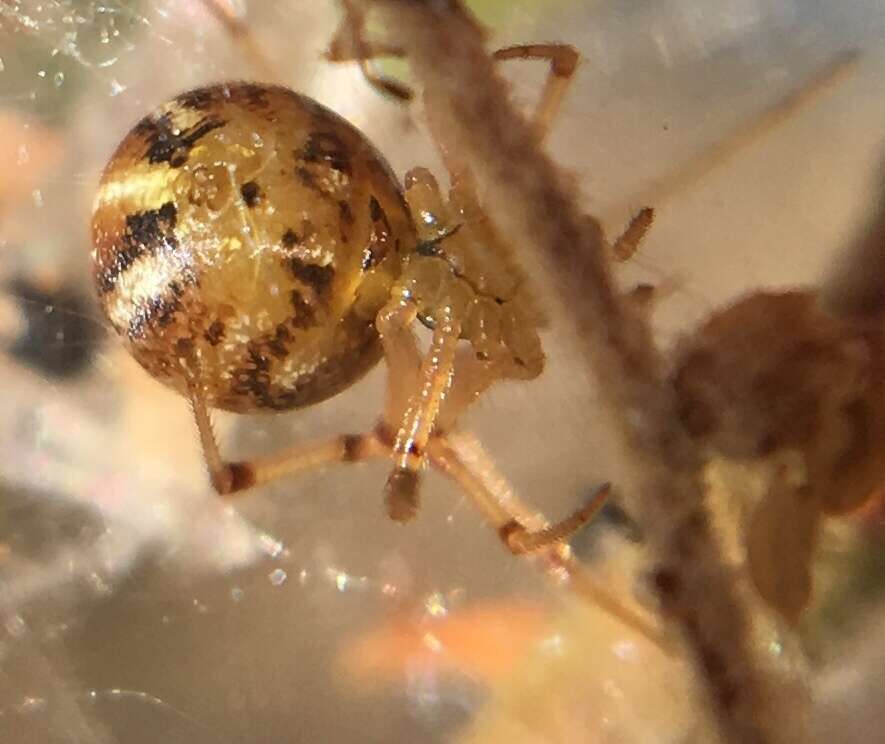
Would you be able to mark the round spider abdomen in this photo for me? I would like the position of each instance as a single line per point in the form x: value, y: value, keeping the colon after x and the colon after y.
x: 244, y: 238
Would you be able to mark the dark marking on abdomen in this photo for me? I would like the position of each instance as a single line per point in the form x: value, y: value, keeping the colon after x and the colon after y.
x: 251, y: 193
x: 254, y: 96
x: 318, y: 278
x: 157, y: 312
x: 215, y: 333
x: 326, y: 147
x: 199, y: 99
x: 305, y: 316
x: 279, y: 345
x: 147, y: 233
x: 167, y: 146
x: 346, y: 219
x: 379, y: 239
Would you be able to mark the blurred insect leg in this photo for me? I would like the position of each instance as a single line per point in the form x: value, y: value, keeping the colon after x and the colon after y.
x: 349, y: 44
x: 230, y: 478
x: 461, y: 458
x: 625, y: 246
x: 419, y: 420
x: 520, y: 539
x: 237, y: 28
x: 563, y: 61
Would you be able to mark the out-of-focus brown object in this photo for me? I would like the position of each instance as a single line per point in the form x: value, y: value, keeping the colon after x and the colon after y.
x: 781, y: 539
x: 775, y: 375
x: 856, y: 286
x: 485, y: 642
x: 472, y: 117
x: 600, y: 687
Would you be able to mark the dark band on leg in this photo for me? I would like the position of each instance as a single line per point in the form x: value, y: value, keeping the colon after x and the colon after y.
x: 401, y: 494
x: 242, y: 476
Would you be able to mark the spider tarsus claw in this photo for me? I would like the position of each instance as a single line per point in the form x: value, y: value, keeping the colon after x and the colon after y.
x: 591, y: 508
x: 401, y: 494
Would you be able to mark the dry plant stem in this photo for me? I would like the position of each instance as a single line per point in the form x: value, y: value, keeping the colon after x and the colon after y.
x: 856, y: 287
x: 747, y: 134
x: 473, y: 119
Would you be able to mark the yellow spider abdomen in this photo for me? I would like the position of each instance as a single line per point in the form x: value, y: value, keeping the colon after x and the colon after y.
x: 245, y: 239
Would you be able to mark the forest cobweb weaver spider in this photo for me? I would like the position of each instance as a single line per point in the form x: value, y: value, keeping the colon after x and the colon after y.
x: 256, y: 253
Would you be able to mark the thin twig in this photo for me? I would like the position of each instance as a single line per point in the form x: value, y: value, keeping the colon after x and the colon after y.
x: 746, y: 134
x: 473, y: 119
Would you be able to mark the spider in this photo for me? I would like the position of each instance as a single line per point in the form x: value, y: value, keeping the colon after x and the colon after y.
x: 256, y: 253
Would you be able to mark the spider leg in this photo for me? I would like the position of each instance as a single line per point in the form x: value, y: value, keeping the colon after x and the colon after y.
x: 394, y: 324
x: 461, y: 458
x: 520, y: 530
x: 230, y: 478
x: 563, y: 60
x: 349, y: 44
x: 626, y: 245
x: 428, y: 287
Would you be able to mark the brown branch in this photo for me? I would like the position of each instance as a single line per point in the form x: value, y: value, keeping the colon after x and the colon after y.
x: 856, y: 285
x: 472, y: 117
